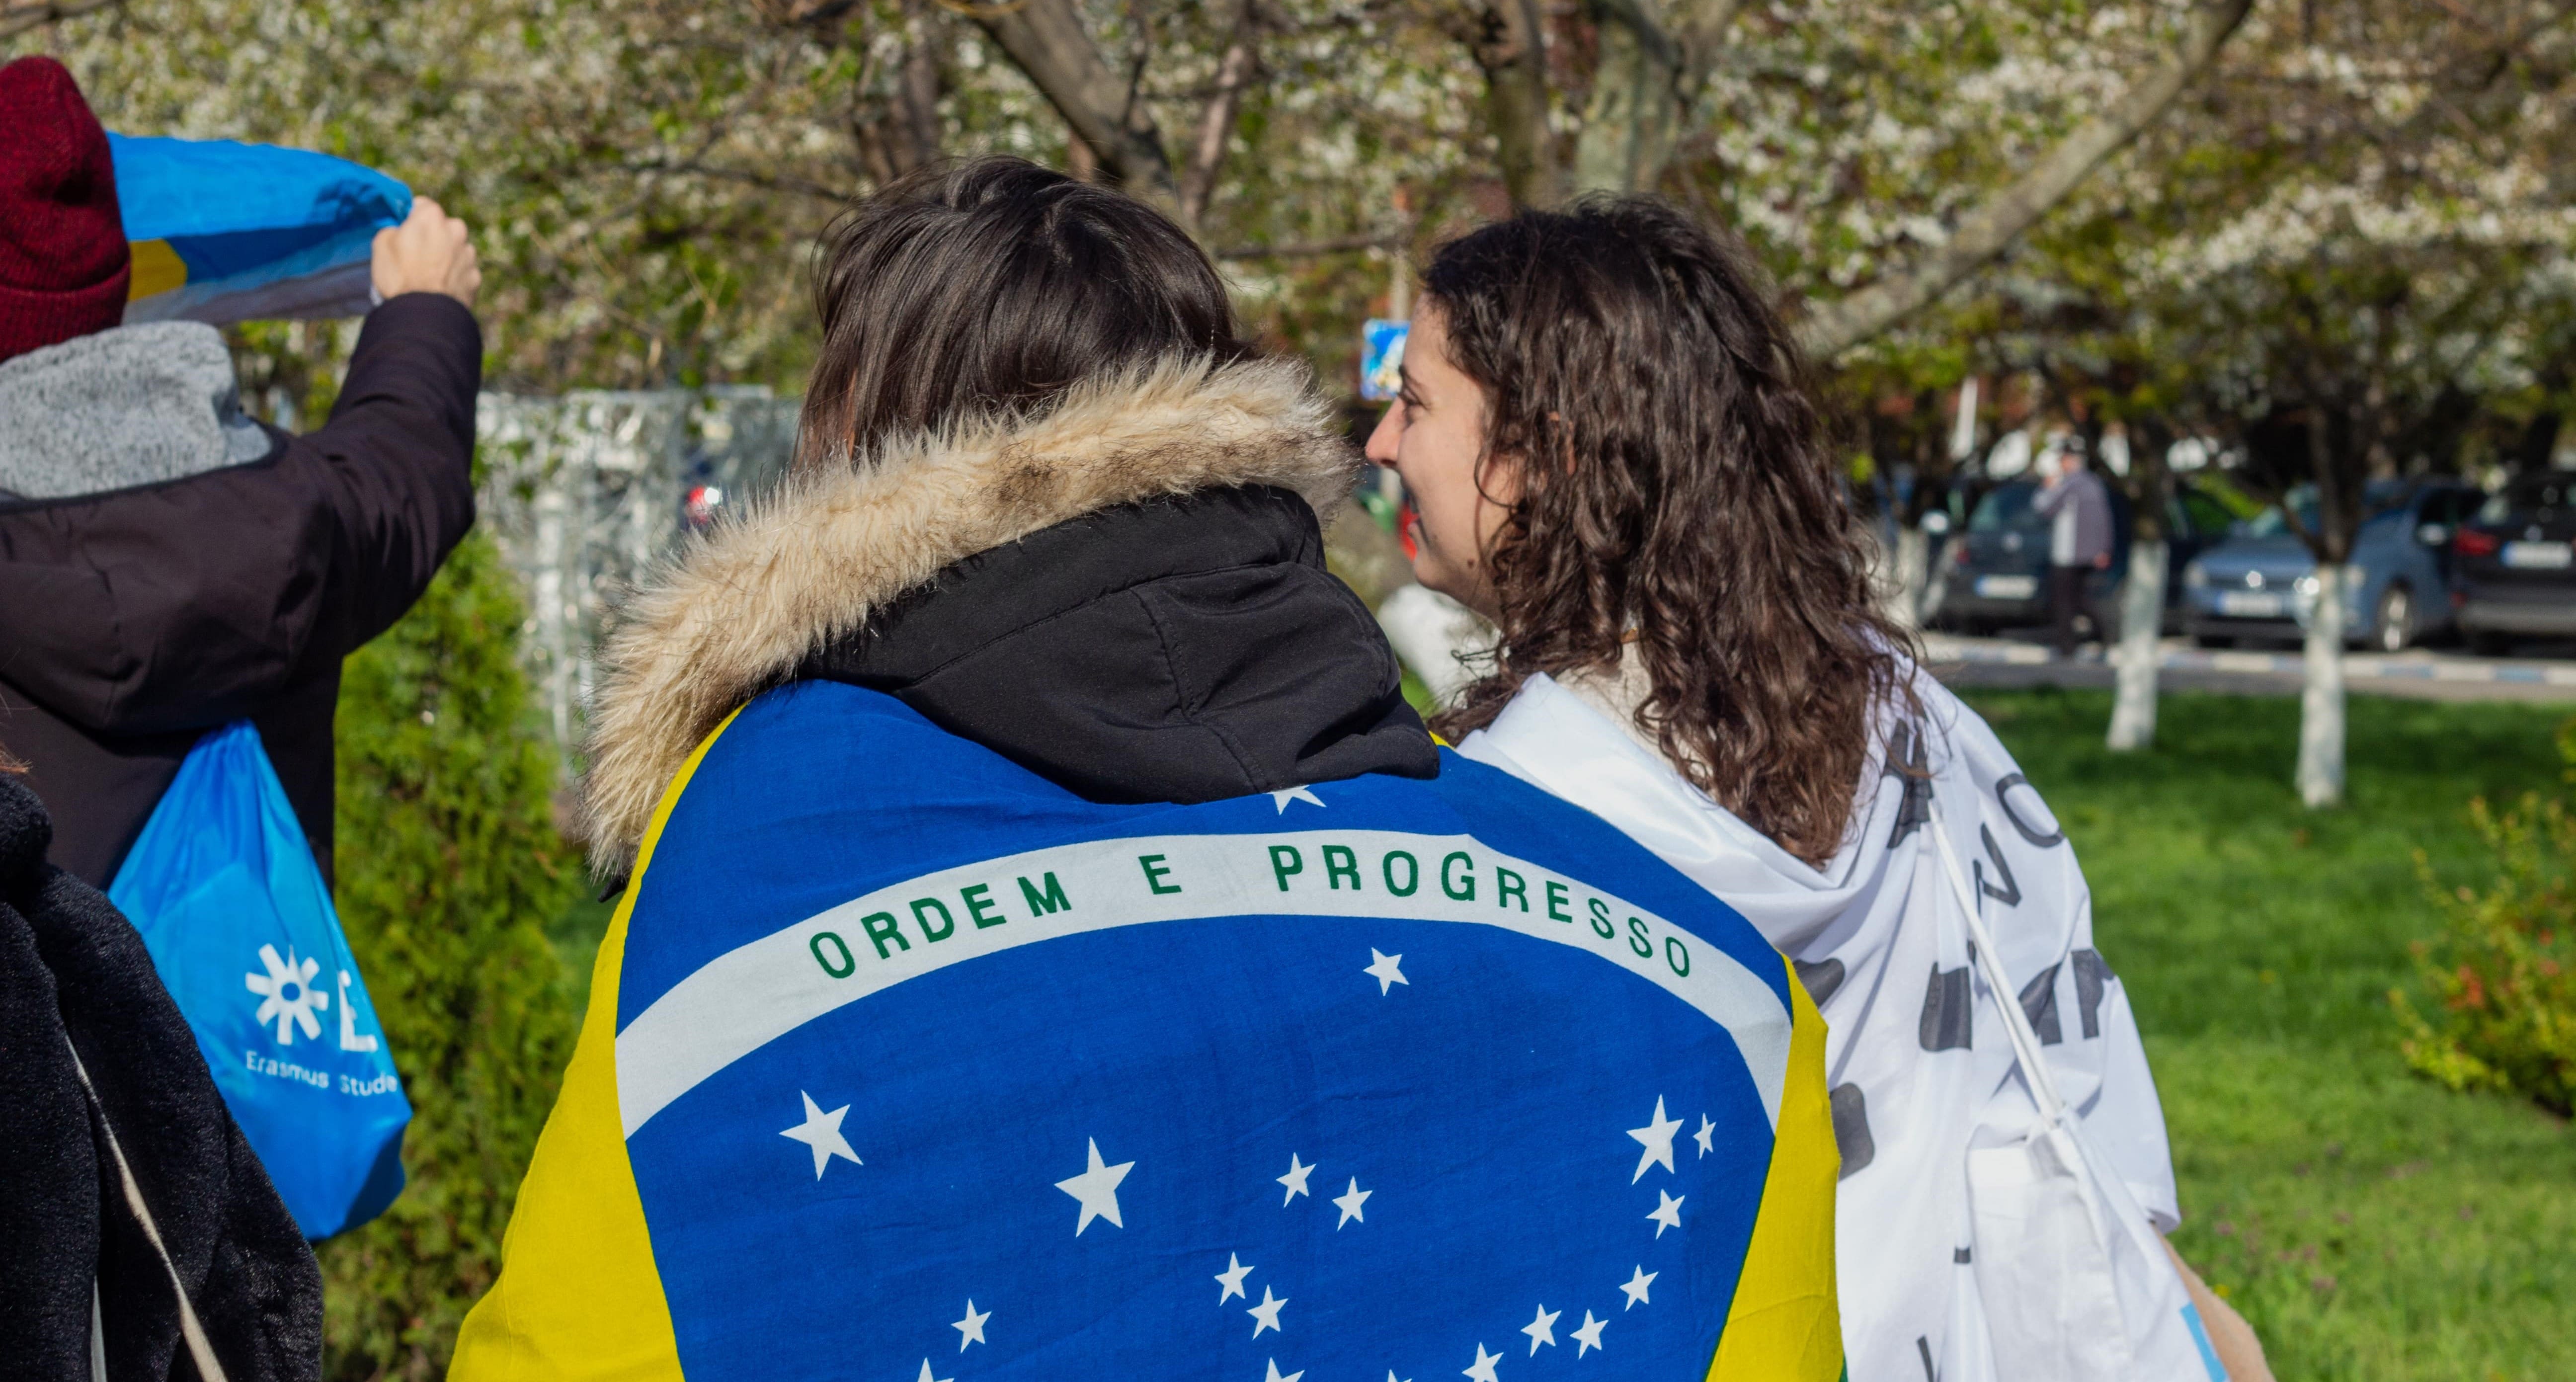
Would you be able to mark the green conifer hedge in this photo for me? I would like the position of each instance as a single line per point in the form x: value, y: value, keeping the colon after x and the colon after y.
x: 449, y: 870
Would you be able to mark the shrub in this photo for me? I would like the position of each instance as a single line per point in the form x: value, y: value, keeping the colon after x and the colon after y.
x: 449, y: 868
x: 2506, y: 1015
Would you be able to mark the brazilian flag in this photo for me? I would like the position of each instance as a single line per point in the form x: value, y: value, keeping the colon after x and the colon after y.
x: 905, y: 1064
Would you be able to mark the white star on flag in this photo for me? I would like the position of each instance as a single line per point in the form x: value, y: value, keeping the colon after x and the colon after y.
x: 1588, y: 1337
x: 1266, y: 1314
x: 1482, y: 1370
x: 1637, y: 1284
x: 1666, y: 1215
x: 1657, y: 1138
x: 821, y: 1132
x: 1385, y: 972
x: 1349, y: 1202
x: 1707, y: 1131
x: 1232, y: 1279
x: 1281, y: 799
x: 926, y: 1377
x: 1391, y: 1377
x: 1275, y: 1377
x: 1295, y: 1180
x: 1542, y: 1330
x: 1097, y: 1190
x: 971, y: 1327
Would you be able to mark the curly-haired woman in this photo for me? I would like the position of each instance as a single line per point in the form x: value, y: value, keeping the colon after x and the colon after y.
x: 1614, y: 458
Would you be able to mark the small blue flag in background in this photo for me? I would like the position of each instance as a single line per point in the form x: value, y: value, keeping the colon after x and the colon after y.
x: 225, y: 893
x: 225, y: 232
x: 1382, y: 358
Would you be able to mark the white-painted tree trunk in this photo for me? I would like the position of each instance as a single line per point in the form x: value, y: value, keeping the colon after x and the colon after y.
x: 1905, y: 593
x: 1441, y: 640
x: 2321, y: 698
x: 2142, y: 609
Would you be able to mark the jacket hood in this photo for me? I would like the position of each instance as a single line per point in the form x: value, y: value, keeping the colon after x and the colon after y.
x: 741, y: 609
x: 136, y: 405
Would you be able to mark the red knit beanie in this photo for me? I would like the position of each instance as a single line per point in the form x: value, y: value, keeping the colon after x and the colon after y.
x: 63, y: 257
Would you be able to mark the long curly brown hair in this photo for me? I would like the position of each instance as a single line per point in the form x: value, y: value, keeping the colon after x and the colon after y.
x: 1676, y: 490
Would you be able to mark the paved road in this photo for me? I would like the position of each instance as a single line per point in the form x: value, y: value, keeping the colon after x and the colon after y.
x: 2423, y: 674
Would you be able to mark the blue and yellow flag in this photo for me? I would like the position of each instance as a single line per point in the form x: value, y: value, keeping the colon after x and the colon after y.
x: 225, y: 232
x: 903, y: 1063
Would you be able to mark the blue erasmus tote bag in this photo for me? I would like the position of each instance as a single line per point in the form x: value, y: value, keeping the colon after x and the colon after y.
x: 224, y: 890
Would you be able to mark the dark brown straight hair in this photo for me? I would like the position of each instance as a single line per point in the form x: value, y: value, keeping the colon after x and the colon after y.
x: 1675, y: 486
x: 988, y: 288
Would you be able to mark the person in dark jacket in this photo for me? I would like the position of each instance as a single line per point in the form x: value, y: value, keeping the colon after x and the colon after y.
x: 2078, y: 510
x: 167, y: 564
x: 92, y: 1050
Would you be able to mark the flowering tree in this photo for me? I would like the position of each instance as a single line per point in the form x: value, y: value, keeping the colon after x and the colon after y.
x: 2374, y: 256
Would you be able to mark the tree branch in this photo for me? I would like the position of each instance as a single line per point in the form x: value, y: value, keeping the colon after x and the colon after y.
x: 18, y: 19
x: 1310, y: 249
x: 1046, y: 41
x: 749, y: 177
x: 1987, y: 231
x: 1216, y: 119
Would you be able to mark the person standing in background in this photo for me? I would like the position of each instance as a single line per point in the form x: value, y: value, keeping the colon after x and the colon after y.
x: 2078, y: 509
x: 167, y: 564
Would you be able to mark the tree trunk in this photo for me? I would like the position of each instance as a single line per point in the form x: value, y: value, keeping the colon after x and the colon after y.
x: 2142, y: 612
x: 1650, y: 70
x: 1636, y: 108
x: 1216, y: 120
x: 1511, y: 47
x: 1913, y: 562
x: 907, y: 134
x: 2140, y: 657
x: 1441, y: 640
x: 2321, y: 698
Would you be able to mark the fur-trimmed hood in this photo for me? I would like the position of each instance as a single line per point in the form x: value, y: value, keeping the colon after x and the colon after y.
x: 742, y: 608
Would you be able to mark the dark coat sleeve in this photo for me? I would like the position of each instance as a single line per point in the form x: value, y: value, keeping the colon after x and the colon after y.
x: 184, y: 605
x: 396, y: 458
x: 49, y: 1179
x: 246, y: 1267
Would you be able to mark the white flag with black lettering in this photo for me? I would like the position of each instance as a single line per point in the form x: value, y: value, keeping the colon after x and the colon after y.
x: 1920, y: 1066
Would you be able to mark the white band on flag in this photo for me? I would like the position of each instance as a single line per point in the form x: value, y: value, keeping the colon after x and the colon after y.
x: 752, y: 995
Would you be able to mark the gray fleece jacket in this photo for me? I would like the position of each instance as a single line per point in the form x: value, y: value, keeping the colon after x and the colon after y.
x: 136, y: 405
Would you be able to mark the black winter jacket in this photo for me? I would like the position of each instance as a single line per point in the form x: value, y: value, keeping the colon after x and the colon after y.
x: 1176, y: 650
x: 71, y: 967
x: 134, y: 620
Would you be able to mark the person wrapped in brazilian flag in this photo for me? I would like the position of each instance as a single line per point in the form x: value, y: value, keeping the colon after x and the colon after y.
x: 1050, y: 947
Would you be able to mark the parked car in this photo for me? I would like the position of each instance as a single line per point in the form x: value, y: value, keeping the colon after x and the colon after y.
x: 2261, y: 584
x: 1998, y: 567
x: 2517, y: 563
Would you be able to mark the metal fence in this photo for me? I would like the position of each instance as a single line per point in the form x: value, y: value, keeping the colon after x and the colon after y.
x: 586, y: 491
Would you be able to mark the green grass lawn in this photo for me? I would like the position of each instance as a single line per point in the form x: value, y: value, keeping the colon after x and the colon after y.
x: 2370, y: 1224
